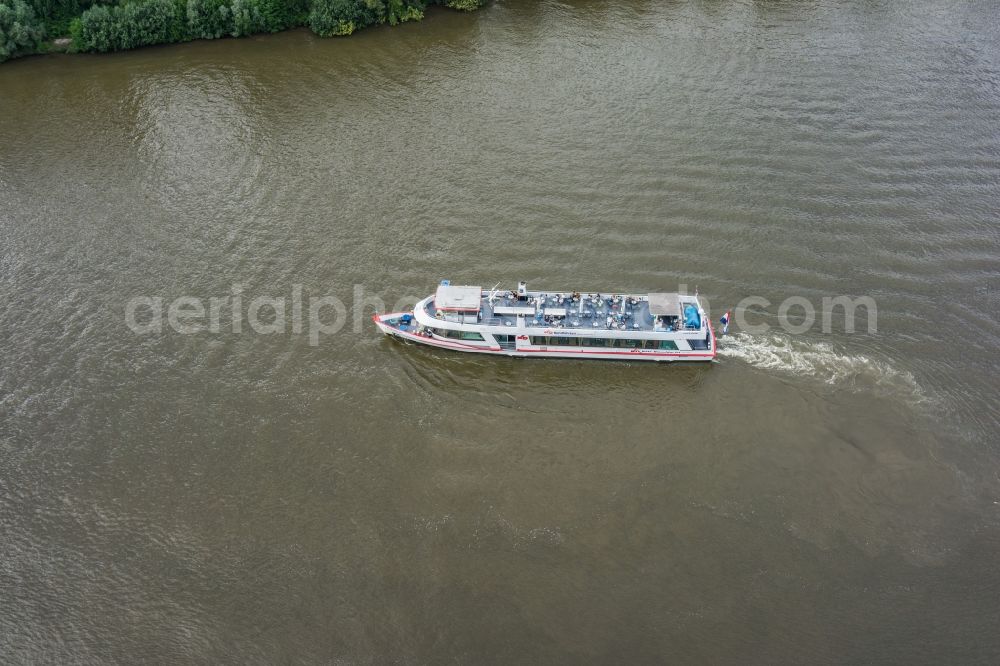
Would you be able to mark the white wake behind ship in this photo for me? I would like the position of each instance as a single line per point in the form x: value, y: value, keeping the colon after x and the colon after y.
x: 634, y: 327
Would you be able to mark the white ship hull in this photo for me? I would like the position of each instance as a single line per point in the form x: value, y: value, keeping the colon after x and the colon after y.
x: 610, y: 326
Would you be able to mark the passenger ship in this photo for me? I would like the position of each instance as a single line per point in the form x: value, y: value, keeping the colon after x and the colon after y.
x: 634, y: 327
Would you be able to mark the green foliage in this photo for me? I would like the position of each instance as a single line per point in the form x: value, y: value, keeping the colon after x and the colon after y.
x: 179, y: 28
x: 57, y: 14
x: 94, y: 30
x: 282, y: 14
x: 114, y: 25
x: 127, y: 26
x: 75, y: 30
x: 247, y: 19
x: 209, y: 19
x: 141, y: 22
x: 463, y: 5
x: 338, y: 17
x: 398, y: 11
x: 144, y: 23
x: 21, y: 31
x: 342, y: 17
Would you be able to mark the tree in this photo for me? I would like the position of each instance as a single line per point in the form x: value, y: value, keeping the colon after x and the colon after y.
x: 209, y: 19
x: 20, y: 30
x: 464, y: 5
x: 328, y: 18
x: 135, y: 24
x: 94, y: 30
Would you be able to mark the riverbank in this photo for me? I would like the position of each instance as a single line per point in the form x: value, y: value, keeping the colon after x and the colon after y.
x: 30, y: 27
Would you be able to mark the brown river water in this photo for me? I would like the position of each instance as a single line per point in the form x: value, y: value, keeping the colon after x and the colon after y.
x: 252, y: 497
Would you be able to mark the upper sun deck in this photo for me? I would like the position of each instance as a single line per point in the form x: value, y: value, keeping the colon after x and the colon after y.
x: 649, y: 313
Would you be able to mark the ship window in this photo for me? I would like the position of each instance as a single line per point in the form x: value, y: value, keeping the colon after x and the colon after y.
x: 651, y: 344
x: 564, y: 342
x: 456, y: 335
x: 538, y: 340
x: 595, y: 342
x: 668, y: 344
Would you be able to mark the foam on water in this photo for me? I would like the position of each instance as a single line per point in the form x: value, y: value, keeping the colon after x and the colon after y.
x: 823, y: 361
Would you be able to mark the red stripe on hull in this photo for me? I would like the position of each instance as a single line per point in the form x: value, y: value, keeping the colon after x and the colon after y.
x: 457, y: 346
